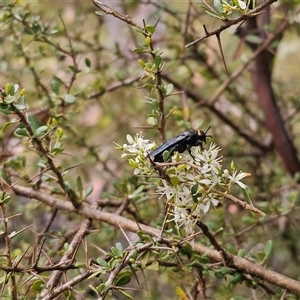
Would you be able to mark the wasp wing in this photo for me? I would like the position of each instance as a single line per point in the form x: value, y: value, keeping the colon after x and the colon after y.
x: 170, y: 143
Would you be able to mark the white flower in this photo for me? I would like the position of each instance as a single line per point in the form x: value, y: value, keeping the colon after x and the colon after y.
x: 209, y: 200
x: 183, y: 197
x: 209, y: 159
x: 166, y: 190
x: 237, y: 177
x: 182, y: 217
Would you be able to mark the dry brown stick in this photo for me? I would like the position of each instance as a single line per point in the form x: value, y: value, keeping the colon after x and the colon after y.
x: 67, y: 258
x: 66, y: 286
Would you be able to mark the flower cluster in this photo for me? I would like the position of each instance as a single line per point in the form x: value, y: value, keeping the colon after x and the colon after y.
x: 192, y: 184
x: 137, y: 152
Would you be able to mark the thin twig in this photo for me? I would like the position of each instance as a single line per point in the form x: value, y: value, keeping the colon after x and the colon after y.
x: 228, y: 23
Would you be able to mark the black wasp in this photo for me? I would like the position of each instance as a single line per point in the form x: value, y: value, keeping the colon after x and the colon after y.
x: 184, y: 141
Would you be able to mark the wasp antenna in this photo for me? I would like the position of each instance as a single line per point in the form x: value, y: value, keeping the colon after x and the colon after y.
x: 207, y: 129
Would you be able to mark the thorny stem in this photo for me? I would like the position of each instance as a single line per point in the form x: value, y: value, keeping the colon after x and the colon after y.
x: 240, y: 202
x: 227, y: 257
x: 7, y: 254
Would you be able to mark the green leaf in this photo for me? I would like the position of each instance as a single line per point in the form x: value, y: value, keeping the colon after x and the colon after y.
x: 238, y: 277
x: 247, y: 196
x: 74, y: 69
x: 241, y: 253
x: 21, y: 132
x: 119, y: 247
x: 20, y: 106
x: 214, y: 15
x: 57, y: 79
x: 203, y: 259
x: 88, y: 190
x: 58, y: 148
x: 260, y: 256
x: 123, y: 278
x: 152, y: 121
x: 5, y: 177
x: 175, y: 181
x: 40, y: 131
x: 21, y: 101
x: 87, y: 62
x: 218, y: 274
x: 100, y: 13
x: 7, y: 124
x: 132, y: 163
x: 70, y: 296
x: 54, y: 86
x: 136, y: 192
x: 26, y: 15
x: 6, y: 109
x: 138, y: 30
x: 139, y: 50
x: 166, y: 155
x: 34, y: 122
x: 254, y: 39
x: 169, y: 88
x: 102, y: 262
x: 23, y: 161
x: 79, y: 186
x: 125, y: 294
x: 157, y: 61
x: 268, y: 249
x: 194, y: 192
x: 93, y: 288
x: 114, y: 251
x: 4, y: 198
x: 69, y: 99
x: 38, y: 285
x: 154, y: 266
x: 9, y: 99
x: 144, y: 237
x: 145, y: 259
x: 218, y: 5
x: 150, y: 29
x: 187, y: 250
x: 15, y: 88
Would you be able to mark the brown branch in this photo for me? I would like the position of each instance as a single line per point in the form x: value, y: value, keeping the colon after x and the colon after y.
x: 239, y: 263
x: 243, y: 204
x: 226, y: 256
x: 68, y: 257
x: 110, y: 11
x: 66, y: 286
x: 7, y: 253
